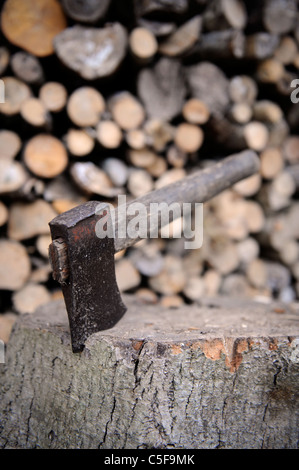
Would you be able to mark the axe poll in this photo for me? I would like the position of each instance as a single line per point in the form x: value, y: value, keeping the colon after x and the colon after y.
x: 83, y: 262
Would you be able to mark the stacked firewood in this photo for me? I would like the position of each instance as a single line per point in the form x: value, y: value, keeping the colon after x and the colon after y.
x: 111, y: 97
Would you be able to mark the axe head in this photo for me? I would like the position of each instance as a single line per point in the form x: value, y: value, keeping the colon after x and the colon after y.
x: 84, y: 265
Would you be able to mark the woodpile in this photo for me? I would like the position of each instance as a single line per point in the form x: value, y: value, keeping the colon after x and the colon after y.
x: 102, y: 100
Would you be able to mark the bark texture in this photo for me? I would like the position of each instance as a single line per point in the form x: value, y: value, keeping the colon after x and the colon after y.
x: 223, y: 374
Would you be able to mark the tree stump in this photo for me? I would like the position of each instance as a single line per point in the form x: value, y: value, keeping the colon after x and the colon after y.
x: 220, y: 374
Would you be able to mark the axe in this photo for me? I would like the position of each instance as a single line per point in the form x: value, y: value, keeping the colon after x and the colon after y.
x: 82, y: 260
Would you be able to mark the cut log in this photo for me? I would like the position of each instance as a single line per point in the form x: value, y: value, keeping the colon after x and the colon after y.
x: 223, y: 256
x: 27, y: 67
x: 162, y: 89
x: 158, y: 167
x: 34, y: 113
x: 271, y: 162
x: 109, y: 134
x: 176, y: 157
x: 240, y: 113
x: 224, y: 14
x: 170, y: 176
x: 126, y: 110
x: 89, y: 11
x: 195, y: 111
x: 45, y: 156
x: 4, y: 59
x: 171, y: 279
x: 27, y: 220
x: 10, y: 144
x: 12, y: 176
x: 279, y: 16
x: 7, y: 322
x: 182, y: 39
x: 54, y: 96
x: 212, y: 282
x: 188, y: 137
x: 242, y: 89
x: 256, y: 135
x: 249, y: 186
x: 147, y: 259
x: 293, y: 170
x: 261, y: 45
x: 143, y: 44
x: 15, y: 265
x: 123, y: 371
x: 79, y: 142
x: 92, y: 180
x: 92, y: 52
x: 248, y: 250
x: 16, y: 92
x: 85, y: 106
x: 32, y: 25
x: 30, y: 297
x: 204, y: 77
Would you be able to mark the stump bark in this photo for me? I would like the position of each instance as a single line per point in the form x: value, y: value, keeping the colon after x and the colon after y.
x: 222, y: 374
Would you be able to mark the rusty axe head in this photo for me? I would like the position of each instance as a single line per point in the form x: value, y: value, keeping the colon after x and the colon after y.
x: 84, y: 265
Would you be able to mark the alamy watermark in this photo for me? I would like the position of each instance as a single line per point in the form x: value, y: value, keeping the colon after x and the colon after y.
x: 2, y: 352
x: 137, y: 221
x: 2, y: 92
x: 295, y: 94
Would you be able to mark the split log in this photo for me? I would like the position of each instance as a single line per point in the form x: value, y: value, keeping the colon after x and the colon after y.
x: 142, y: 158
x: 220, y: 45
x: 204, y: 77
x: 140, y: 182
x: 195, y: 111
x: 92, y: 180
x: 12, y: 176
x: 27, y: 67
x: 27, y: 220
x: 16, y: 92
x: 54, y: 96
x: 270, y: 71
x: 158, y: 133
x: 3, y: 214
x: 10, y: 144
x: 242, y: 88
x: 261, y: 45
x: 109, y: 134
x: 188, y: 137
x: 143, y: 44
x: 79, y: 142
x: 34, y: 113
x: 158, y: 28
x: 127, y: 276
x: 176, y: 157
x: 265, y: 110
x: 248, y: 186
x: 279, y: 16
x: 85, y: 106
x: 15, y: 266
x: 248, y: 250
x: 45, y: 156
x: 238, y: 349
x: 4, y: 59
x: 182, y: 39
x: 38, y: 30
x: 147, y: 259
x: 158, y: 167
x: 117, y: 171
x: 145, y: 7
x: 240, y: 113
x: 225, y: 14
x: 42, y: 245
x: 89, y: 11
x: 223, y: 256
x: 126, y: 110
x: 136, y: 138
x: 271, y: 162
x: 30, y: 297
x: 171, y: 279
x: 162, y: 89
x: 92, y: 52
x: 256, y: 135
x: 286, y: 51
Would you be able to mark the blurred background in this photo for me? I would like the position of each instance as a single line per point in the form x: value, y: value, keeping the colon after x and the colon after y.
x: 122, y: 97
